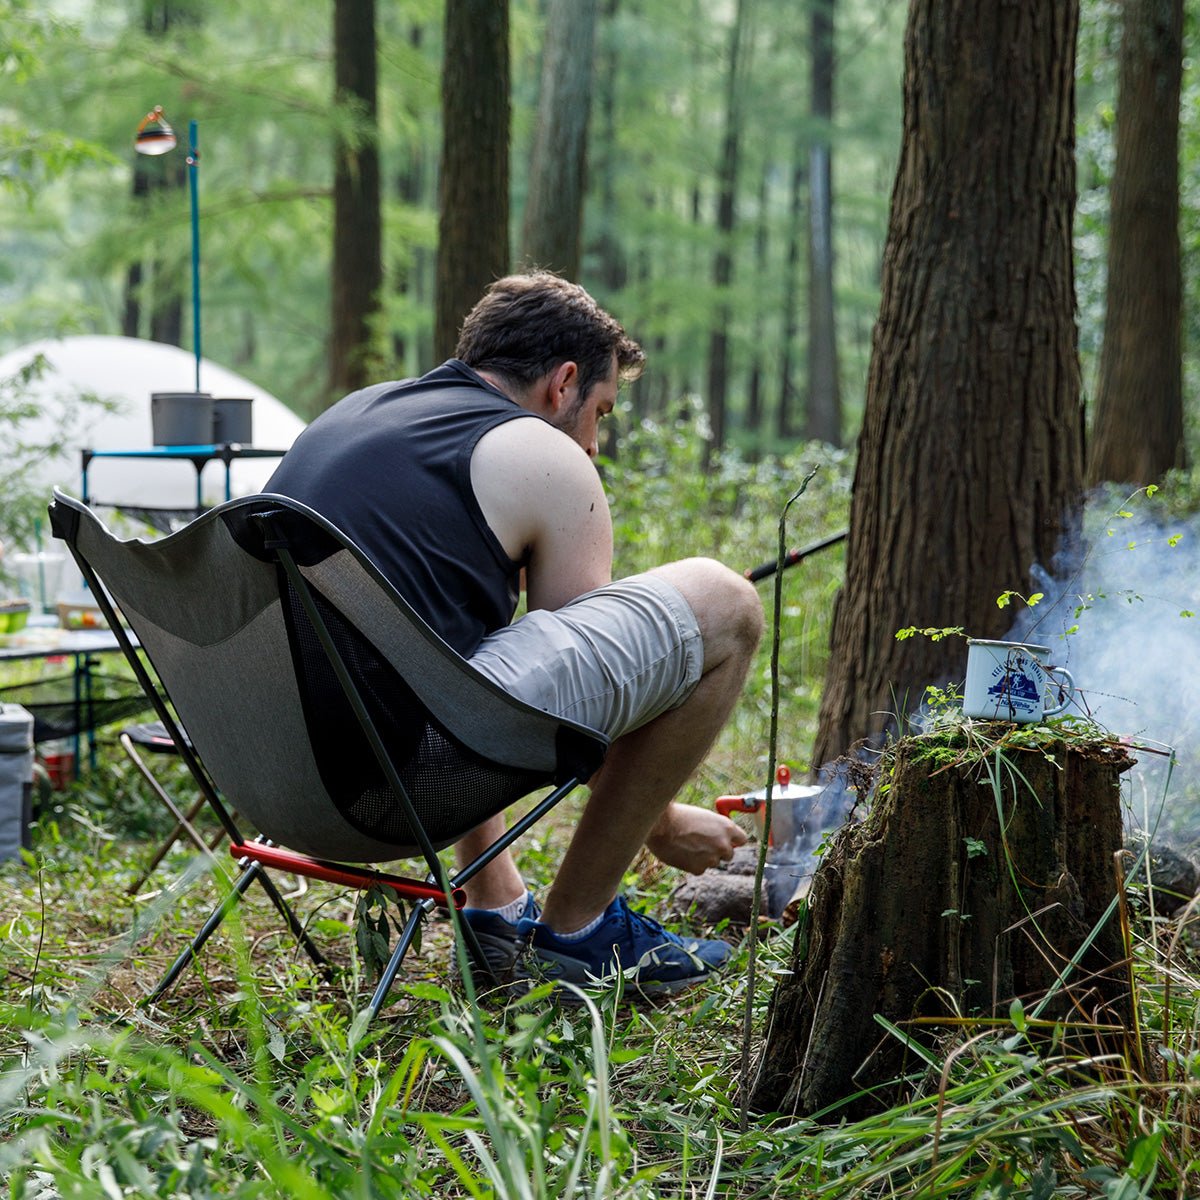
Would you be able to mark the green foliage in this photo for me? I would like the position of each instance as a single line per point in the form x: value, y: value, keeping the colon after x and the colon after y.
x: 254, y: 1078
x: 932, y: 633
x: 259, y: 82
x: 935, y: 634
x: 373, y: 929
x: 22, y: 501
x: 258, y: 1081
x: 32, y: 152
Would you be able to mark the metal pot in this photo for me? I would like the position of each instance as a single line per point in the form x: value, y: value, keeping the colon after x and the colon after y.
x: 793, y: 807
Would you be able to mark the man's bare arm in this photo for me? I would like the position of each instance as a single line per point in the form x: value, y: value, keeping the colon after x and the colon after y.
x: 543, y: 499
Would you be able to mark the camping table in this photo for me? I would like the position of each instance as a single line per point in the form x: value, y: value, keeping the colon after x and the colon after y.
x: 48, y: 643
x: 198, y: 456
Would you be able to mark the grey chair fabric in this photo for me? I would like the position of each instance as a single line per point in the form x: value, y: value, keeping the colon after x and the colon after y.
x: 238, y: 659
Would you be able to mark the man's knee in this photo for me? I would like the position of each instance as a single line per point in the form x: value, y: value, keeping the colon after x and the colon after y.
x: 726, y: 604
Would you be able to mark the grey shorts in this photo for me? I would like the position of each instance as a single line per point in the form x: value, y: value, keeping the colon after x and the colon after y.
x: 612, y: 659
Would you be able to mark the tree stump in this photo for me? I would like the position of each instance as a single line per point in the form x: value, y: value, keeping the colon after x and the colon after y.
x: 978, y: 875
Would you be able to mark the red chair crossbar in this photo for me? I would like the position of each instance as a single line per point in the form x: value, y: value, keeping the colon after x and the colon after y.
x: 356, y: 877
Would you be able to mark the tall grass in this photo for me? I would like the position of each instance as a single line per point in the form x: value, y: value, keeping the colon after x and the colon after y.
x: 256, y: 1079
x: 599, y: 1101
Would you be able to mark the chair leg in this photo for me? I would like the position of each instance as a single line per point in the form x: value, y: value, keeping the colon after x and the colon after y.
x: 253, y: 872
x: 210, y: 926
x: 294, y: 924
x: 420, y: 911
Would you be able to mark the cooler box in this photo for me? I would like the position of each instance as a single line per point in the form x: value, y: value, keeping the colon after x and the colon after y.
x: 16, y: 779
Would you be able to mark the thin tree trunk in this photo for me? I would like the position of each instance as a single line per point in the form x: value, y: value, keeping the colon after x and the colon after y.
x: 722, y: 274
x: 131, y: 317
x: 357, y: 223
x: 606, y: 245
x: 754, y: 389
x: 409, y: 184
x: 153, y: 302
x: 824, y: 411
x: 473, y: 221
x: 168, y: 177
x: 553, y: 224
x: 1138, y: 431
x: 785, y: 426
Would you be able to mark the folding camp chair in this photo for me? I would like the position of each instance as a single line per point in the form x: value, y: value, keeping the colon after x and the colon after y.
x: 320, y: 706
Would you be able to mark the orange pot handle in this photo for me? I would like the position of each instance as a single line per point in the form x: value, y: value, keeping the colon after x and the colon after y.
x: 728, y: 805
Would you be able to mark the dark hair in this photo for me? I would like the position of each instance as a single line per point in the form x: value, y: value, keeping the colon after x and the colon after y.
x: 526, y: 325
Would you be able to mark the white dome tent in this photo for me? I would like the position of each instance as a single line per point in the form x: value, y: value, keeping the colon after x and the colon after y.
x: 122, y: 373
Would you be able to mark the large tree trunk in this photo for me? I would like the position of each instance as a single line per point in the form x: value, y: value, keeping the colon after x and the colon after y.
x: 971, y: 455
x: 473, y: 220
x: 553, y: 222
x: 824, y: 411
x: 932, y: 909
x: 1137, y: 434
x: 357, y: 225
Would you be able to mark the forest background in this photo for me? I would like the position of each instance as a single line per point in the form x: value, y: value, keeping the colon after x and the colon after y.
x: 683, y: 238
x: 707, y: 228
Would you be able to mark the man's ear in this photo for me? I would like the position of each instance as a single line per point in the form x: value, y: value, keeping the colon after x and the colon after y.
x: 559, y: 384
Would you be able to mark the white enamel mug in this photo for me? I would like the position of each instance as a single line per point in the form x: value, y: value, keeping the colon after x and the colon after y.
x: 1009, y: 681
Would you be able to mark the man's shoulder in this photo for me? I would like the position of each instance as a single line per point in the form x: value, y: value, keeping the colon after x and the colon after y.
x: 532, y: 437
x: 520, y: 462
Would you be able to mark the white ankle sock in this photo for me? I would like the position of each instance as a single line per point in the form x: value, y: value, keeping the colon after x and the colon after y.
x: 580, y: 934
x: 513, y: 911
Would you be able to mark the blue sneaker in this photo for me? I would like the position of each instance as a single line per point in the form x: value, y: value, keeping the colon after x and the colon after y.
x: 498, y: 938
x: 654, y: 961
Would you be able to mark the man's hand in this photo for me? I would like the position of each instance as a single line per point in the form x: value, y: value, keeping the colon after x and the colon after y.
x: 694, y: 839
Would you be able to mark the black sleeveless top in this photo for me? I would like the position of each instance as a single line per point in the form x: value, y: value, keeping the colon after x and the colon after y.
x: 390, y: 466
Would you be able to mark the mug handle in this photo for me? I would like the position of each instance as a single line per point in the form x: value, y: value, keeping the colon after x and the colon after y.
x: 1066, y: 691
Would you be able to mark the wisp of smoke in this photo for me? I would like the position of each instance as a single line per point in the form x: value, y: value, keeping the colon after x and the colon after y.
x: 1121, y: 621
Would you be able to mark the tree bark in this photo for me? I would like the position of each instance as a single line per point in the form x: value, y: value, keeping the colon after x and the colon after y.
x: 970, y: 460
x: 1137, y: 433
x: 722, y: 274
x: 785, y: 425
x: 154, y: 295
x: 824, y: 411
x: 933, y: 908
x: 607, y: 248
x: 357, y: 224
x: 553, y: 223
x: 473, y: 218
x: 754, y: 384
x: 410, y: 189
